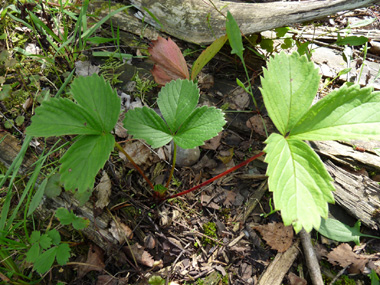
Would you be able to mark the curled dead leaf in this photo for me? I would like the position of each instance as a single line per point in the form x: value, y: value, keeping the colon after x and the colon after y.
x: 137, y: 252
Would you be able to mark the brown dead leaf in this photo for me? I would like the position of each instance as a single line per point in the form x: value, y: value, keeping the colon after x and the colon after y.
x: 239, y: 99
x: 344, y: 256
x: 296, y: 280
x: 103, y: 191
x: 140, y: 153
x: 143, y: 257
x: 276, y: 235
x: 230, y: 198
x: 256, y: 123
x: 214, y: 143
x: 169, y: 61
x: 95, y: 261
x: 120, y: 231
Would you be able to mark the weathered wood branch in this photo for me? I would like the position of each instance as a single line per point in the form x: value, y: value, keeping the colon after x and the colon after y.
x: 202, y: 21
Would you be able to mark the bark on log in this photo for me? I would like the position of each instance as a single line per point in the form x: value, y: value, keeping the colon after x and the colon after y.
x: 199, y: 21
x: 356, y: 193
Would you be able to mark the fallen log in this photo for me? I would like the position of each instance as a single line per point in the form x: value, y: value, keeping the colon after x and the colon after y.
x: 202, y: 21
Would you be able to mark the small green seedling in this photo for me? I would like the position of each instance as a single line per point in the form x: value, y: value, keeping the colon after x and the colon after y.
x: 66, y: 217
x: 96, y: 113
x: 45, y: 249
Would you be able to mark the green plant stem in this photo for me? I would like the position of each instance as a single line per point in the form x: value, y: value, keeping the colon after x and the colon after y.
x: 249, y: 84
x: 135, y: 165
x: 173, y: 165
x: 217, y: 177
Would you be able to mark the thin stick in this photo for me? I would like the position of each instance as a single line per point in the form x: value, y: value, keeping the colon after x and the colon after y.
x: 216, y: 177
x: 173, y: 165
x: 135, y: 165
x: 311, y: 258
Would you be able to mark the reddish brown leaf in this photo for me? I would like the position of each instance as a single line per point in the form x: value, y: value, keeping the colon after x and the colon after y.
x: 344, y: 256
x: 169, y: 61
x: 276, y: 235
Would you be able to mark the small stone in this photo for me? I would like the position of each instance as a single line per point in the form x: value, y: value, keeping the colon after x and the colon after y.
x: 187, y: 157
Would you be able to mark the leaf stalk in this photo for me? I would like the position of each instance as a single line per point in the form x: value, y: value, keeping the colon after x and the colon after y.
x: 217, y: 177
x: 135, y: 165
x: 173, y: 164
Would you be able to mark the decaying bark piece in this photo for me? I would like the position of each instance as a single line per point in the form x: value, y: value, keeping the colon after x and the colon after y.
x: 275, y: 272
x: 199, y: 21
x: 357, y: 194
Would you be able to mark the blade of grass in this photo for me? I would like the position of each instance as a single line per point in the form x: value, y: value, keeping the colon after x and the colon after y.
x: 67, y: 81
x: 43, y: 27
x: 90, y: 31
x: 14, y: 168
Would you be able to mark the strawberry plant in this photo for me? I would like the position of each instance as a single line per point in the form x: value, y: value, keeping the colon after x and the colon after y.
x: 45, y: 249
x: 95, y: 114
x: 301, y: 186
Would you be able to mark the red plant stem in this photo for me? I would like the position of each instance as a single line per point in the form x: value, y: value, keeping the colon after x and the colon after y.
x: 217, y: 177
x: 135, y: 165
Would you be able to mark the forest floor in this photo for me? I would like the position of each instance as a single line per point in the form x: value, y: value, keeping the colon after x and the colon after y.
x: 225, y: 233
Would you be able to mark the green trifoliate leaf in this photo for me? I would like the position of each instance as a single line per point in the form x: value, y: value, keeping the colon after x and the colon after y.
x: 144, y: 123
x: 300, y: 184
x: 289, y: 85
x: 66, y: 218
x: 203, y: 124
x: 187, y: 125
x: 57, y: 117
x: 97, y: 96
x: 347, y: 113
x: 177, y: 100
x: 82, y: 161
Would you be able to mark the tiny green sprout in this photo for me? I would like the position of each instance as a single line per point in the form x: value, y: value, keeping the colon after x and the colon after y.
x: 159, y: 191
